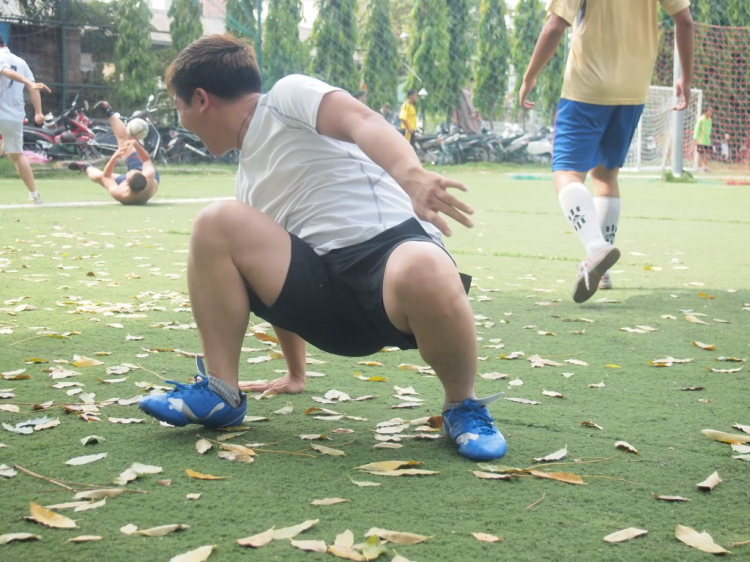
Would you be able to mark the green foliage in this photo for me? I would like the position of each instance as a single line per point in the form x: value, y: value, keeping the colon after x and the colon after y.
x: 135, y: 76
x: 381, y: 65
x: 240, y: 19
x: 493, y: 53
x: 429, y: 47
x: 186, y: 25
x: 334, y: 37
x: 459, y: 52
x: 283, y: 52
x: 528, y: 24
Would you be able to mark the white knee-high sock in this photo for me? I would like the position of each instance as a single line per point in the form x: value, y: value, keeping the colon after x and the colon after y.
x: 578, y: 206
x: 608, y: 209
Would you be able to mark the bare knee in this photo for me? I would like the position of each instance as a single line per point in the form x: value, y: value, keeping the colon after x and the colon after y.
x: 425, y: 273
x: 219, y: 216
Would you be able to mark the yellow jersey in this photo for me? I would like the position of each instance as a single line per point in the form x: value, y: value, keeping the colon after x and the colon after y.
x: 408, y: 114
x: 614, y: 48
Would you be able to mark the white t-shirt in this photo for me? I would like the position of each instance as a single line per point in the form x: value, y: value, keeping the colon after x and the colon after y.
x: 11, y: 92
x: 327, y: 192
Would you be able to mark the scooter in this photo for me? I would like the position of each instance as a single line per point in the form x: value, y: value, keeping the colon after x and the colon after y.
x: 64, y: 137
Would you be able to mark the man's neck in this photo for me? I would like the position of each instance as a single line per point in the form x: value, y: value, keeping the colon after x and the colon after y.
x: 243, y: 113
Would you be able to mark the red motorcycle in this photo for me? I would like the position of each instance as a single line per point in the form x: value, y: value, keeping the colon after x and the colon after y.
x: 66, y: 137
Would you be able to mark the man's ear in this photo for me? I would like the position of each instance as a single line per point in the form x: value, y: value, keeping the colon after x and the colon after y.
x: 202, y: 99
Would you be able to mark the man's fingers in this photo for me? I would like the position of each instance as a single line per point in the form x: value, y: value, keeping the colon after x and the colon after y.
x: 438, y: 222
x: 447, y: 182
x: 455, y: 214
x: 449, y: 199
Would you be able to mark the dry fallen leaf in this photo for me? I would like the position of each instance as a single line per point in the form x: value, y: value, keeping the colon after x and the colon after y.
x: 86, y: 538
x: 726, y: 437
x: 91, y: 505
x: 403, y: 472
x: 310, y: 546
x: 10, y: 537
x: 383, y: 466
x: 329, y: 501
x: 670, y: 498
x: 291, y: 532
x: 592, y: 424
x: 161, y: 530
x: 553, y: 394
x: 710, y: 483
x: 701, y: 541
x: 364, y: 483
x: 78, y: 461
x: 706, y: 346
x: 327, y: 450
x: 695, y: 320
x: 99, y: 494
x: 198, y: 555
x: 345, y: 539
x: 737, y: 370
x: 625, y: 446
x: 567, y: 477
x: 199, y: 476
x: 288, y: 409
x: 556, y: 456
x: 203, y: 445
x: 50, y: 518
x: 136, y: 469
x: 625, y: 535
x: 484, y: 537
x: 523, y: 401
x: 397, y: 537
x: 346, y: 553
x: 492, y: 475
x: 259, y: 540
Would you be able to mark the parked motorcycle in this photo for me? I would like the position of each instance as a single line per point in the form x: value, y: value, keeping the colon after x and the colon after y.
x: 66, y: 137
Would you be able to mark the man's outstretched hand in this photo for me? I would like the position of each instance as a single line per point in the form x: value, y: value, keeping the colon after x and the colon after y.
x: 283, y: 385
x: 430, y: 198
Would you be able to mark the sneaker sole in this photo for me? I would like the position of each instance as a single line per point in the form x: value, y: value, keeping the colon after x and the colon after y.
x: 581, y: 293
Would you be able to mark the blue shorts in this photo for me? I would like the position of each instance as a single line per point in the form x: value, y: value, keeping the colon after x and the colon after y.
x: 587, y: 135
x: 133, y: 163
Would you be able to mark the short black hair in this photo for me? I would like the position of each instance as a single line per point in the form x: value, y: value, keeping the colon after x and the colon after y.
x: 220, y: 64
x: 411, y: 92
x: 137, y: 182
x: 360, y: 94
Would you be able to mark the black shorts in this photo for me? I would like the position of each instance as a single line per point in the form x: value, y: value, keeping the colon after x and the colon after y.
x: 335, y: 301
x: 703, y: 148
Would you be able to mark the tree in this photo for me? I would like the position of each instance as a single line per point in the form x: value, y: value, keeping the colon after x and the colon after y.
x: 459, y: 52
x: 493, y: 52
x: 240, y: 19
x: 334, y: 37
x: 136, y: 77
x: 186, y: 25
x: 283, y: 52
x: 381, y: 65
x: 528, y: 25
x: 429, y: 46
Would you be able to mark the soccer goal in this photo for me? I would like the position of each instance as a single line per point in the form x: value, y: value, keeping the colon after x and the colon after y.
x: 651, y: 148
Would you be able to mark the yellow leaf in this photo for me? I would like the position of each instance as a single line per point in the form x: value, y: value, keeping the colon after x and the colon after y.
x: 80, y: 361
x: 259, y: 540
x: 199, y: 476
x: 695, y: 320
x: 484, y: 537
x: 363, y: 483
x: 700, y: 541
x: 370, y: 363
x: 162, y: 530
x: 706, y: 346
x: 566, y: 477
x: 50, y: 518
x: 387, y: 465
x: 370, y: 379
x: 346, y: 553
x: 288, y: 409
x: 262, y: 336
x: 329, y: 501
x: 345, y: 539
x: 710, y: 483
x: 203, y: 445
x: 625, y: 535
x: 291, y: 532
x: 327, y: 450
x: 241, y: 449
x: 625, y: 446
x: 726, y: 437
x: 235, y: 456
x: 398, y: 537
x: 705, y: 296
x: 10, y: 537
x: 492, y: 475
x: 86, y: 538
x: 372, y: 549
x: 198, y: 555
x: 310, y: 546
x: 612, y: 366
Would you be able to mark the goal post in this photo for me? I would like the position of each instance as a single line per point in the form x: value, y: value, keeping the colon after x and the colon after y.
x: 651, y: 147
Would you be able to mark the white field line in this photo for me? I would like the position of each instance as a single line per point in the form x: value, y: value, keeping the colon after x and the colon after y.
x: 106, y: 203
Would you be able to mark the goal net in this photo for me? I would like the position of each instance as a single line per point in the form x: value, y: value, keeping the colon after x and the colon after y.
x: 652, y: 145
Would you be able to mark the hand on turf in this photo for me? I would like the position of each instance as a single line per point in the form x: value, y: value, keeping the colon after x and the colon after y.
x: 429, y: 197
x: 526, y: 87
x: 283, y: 385
x: 682, y: 91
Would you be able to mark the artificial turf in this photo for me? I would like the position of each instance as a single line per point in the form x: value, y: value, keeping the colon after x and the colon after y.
x: 677, y: 241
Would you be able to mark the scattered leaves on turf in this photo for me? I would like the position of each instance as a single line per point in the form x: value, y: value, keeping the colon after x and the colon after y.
x: 198, y: 555
x: 50, y: 518
x: 327, y: 450
x: 710, y: 483
x: 625, y: 446
x: 329, y: 501
x: 10, y: 537
x: 492, y: 475
x: 291, y: 532
x: 589, y: 423
x: 77, y: 461
x: 199, y: 476
x: 310, y: 546
x: 625, y: 535
x: 726, y: 437
x: 567, y: 477
x: 397, y: 537
x: 484, y: 537
x: 556, y: 456
x: 670, y: 498
x: 257, y: 541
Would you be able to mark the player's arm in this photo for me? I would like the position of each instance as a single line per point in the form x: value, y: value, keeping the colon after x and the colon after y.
x: 549, y: 39
x: 294, y: 349
x: 148, y: 166
x: 342, y: 117
x: 110, y: 167
x: 683, y: 21
x: 31, y: 86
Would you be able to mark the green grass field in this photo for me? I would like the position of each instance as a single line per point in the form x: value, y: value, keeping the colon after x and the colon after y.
x: 677, y: 241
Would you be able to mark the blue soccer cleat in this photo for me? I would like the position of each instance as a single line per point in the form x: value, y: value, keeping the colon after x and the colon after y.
x: 470, y: 426
x: 194, y: 403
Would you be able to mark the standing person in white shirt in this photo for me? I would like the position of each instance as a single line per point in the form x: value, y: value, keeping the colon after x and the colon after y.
x: 334, y: 239
x: 12, y: 112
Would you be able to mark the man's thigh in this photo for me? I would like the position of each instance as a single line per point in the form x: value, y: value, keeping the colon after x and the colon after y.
x: 579, y: 128
x: 617, y: 137
x: 12, y: 132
